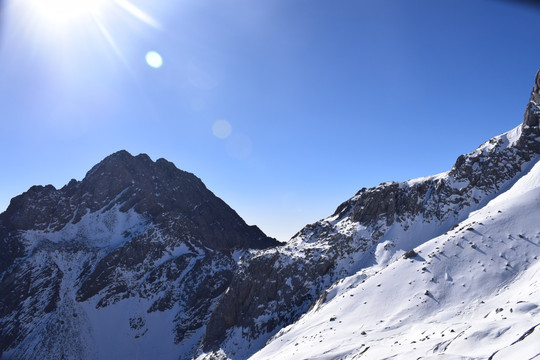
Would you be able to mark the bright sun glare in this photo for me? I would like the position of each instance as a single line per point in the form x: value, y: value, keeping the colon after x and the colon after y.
x: 63, y: 25
x: 66, y: 10
x: 69, y: 10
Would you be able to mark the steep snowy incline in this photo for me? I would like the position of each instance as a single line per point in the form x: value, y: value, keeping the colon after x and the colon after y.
x: 471, y: 293
x: 277, y: 286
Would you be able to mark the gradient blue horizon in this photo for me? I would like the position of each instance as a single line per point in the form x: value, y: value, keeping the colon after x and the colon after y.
x: 323, y: 98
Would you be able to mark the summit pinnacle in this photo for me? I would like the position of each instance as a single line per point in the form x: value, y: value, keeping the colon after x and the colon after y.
x: 532, y: 112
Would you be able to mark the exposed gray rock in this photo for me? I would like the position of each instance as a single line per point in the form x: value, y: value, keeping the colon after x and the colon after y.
x: 532, y: 112
x: 410, y: 254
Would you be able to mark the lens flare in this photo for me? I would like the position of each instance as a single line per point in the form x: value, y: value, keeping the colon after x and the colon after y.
x: 154, y: 59
x: 222, y: 129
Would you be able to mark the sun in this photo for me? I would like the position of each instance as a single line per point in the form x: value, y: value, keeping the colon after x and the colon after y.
x: 62, y: 11
x: 72, y: 31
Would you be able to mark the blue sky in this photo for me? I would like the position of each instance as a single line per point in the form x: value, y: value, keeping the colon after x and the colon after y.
x: 322, y: 97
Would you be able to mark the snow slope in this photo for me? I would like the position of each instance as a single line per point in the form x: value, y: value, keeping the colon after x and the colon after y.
x: 471, y: 293
x: 365, y: 235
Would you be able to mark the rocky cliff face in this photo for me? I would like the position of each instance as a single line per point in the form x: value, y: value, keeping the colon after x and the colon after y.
x: 275, y: 287
x: 532, y: 113
x: 158, y: 191
x: 135, y: 235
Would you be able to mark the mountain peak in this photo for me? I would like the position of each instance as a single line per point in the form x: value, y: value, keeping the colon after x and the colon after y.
x: 125, y: 156
x: 167, y: 196
x: 532, y: 112
x: 122, y: 159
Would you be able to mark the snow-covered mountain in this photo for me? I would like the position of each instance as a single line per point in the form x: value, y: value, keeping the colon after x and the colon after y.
x: 126, y: 263
x: 140, y: 260
x: 365, y: 240
x: 471, y: 293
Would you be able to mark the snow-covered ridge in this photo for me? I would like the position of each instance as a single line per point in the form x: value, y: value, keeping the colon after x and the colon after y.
x: 497, y: 143
x: 471, y: 293
x: 366, y: 233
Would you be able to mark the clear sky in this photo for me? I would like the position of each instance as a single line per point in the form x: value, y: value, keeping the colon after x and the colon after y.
x: 284, y: 108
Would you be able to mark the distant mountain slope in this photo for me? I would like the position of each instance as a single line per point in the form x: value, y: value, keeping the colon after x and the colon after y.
x: 275, y: 287
x: 471, y: 293
x: 129, y: 260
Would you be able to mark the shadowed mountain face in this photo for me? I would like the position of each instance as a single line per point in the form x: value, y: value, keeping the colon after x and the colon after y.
x: 131, y: 229
x: 157, y: 190
x: 532, y: 112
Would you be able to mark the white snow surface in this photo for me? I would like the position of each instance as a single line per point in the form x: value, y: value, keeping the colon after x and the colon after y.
x: 96, y: 229
x: 471, y: 293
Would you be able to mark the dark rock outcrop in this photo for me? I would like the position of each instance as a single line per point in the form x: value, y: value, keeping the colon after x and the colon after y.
x: 157, y: 190
x: 532, y: 112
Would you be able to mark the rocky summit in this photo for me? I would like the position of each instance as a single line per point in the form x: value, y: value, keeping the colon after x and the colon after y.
x: 140, y: 260
x: 137, y: 249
